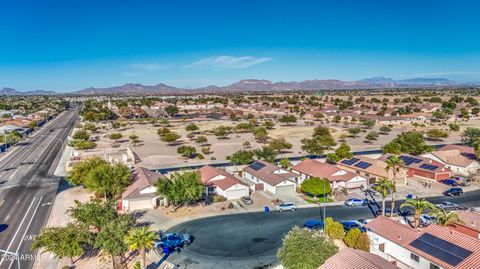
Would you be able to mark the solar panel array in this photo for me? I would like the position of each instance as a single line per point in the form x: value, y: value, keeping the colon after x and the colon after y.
x: 441, y: 249
x: 428, y: 167
x: 407, y: 160
x: 256, y: 166
x: 363, y: 165
x: 351, y: 161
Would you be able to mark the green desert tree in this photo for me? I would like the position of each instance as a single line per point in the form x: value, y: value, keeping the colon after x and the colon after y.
x: 287, y: 119
x: 444, y: 218
x: 437, y: 134
x: 192, y: 127
x: 280, y: 144
x: 170, y: 137
x: 351, y: 237
x: 419, y: 206
x: 141, y: 239
x: 260, y: 134
x: 108, y: 180
x: 269, y: 124
x: 80, y: 170
x: 285, y: 163
x: 134, y: 139
x: 384, y: 186
x: 181, y: 188
x: 241, y: 157
x: 411, y: 142
x: 316, y: 186
x: 363, y: 242
x: 354, y: 131
x: 115, y: 136
x: 64, y: 242
x: 201, y: 140
x: 171, y: 110
x: 305, y: 249
x: 187, y: 151
x: 266, y: 153
x: 110, y: 239
x: 94, y: 213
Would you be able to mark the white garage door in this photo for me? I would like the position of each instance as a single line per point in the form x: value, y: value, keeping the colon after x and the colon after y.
x: 139, y: 204
x: 236, y: 194
x: 287, y: 190
x: 356, y: 184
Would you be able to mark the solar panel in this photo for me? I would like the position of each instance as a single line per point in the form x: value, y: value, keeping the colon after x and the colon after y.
x: 256, y: 166
x: 441, y: 249
x: 428, y: 167
x: 351, y: 161
x: 363, y: 165
x: 407, y: 160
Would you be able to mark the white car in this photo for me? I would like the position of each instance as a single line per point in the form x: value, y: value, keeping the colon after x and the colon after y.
x: 285, y: 207
x: 426, y: 219
x: 355, y: 202
x: 446, y: 205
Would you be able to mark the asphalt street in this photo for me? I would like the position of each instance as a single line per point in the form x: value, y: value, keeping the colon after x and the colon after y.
x: 28, y: 188
x: 251, y: 240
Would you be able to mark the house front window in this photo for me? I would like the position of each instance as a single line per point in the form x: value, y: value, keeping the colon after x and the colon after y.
x: 433, y: 266
x: 381, y: 247
x: 415, y: 257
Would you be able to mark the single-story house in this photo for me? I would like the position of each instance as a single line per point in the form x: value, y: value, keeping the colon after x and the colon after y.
x: 460, y: 160
x: 434, y: 247
x: 271, y: 178
x: 309, y: 168
x: 218, y: 181
x: 371, y: 169
x: 350, y: 258
x: 422, y: 167
x: 141, y: 194
x: 469, y: 225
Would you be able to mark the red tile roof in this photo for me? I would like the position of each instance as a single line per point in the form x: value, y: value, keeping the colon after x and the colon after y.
x: 142, y: 178
x: 268, y: 175
x: 349, y: 258
x: 323, y: 170
x: 207, y: 173
x: 440, y: 167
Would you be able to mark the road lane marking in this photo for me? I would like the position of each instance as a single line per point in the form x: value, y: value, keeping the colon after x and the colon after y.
x: 6, y: 218
x: 18, y: 229
x: 1, y: 202
x: 18, y: 201
x: 28, y: 226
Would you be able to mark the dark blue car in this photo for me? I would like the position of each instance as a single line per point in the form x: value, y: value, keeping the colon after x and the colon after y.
x: 173, y: 240
x: 348, y: 225
x: 453, y: 192
x: 313, y: 224
x: 449, y: 182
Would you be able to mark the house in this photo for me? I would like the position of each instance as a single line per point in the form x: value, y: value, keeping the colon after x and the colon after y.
x: 309, y: 168
x: 460, y: 160
x: 434, y: 247
x: 349, y: 258
x: 218, y: 181
x: 141, y: 194
x: 271, y: 178
x: 469, y: 225
x: 371, y: 169
x: 422, y: 167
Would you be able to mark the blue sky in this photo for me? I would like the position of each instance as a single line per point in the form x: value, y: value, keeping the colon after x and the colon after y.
x: 73, y: 44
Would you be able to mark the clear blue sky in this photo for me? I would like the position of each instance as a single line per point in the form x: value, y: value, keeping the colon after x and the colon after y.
x: 72, y: 44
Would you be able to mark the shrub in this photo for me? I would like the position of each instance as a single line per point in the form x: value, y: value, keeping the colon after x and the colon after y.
x: 218, y: 198
x: 352, y: 237
x: 363, y: 243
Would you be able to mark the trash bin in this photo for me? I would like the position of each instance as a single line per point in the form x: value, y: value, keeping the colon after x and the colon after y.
x: 267, y: 209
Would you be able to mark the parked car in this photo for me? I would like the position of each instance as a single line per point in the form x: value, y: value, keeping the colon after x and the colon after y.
x: 3, y: 227
x: 285, y: 207
x: 465, y: 182
x: 247, y: 200
x: 173, y: 240
x: 449, y: 182
x: 352, y: 224
x: 453, y: 192
x: 426, y: 219
x: 313, y: 224
x: 447, y: 205
x: 355, y: 202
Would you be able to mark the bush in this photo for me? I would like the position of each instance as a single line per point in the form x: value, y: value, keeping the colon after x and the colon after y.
x: 352, y: 237
x: 334, y: 229
x: 363, y: 243
x: 218, y: 198
x: 82, y: 145
x: 200, y: 156
x: 213, y: 159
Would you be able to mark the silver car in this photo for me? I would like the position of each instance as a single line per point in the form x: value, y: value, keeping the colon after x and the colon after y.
x: 285, y: 207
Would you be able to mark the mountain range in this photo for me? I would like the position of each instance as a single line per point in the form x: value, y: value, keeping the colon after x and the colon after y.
x: 258, y: 85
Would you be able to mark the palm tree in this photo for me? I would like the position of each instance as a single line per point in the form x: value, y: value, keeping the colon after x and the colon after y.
x: 394, y: 164
x: 141, y: 239
x: 384, y: 186
x: 419, y: 205
x: 444, y: 218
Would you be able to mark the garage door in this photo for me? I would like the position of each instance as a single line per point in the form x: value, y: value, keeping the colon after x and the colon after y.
x: 236, y: 194
x: 356, y: 184
x: 285, y: 190
x: 139, y: 204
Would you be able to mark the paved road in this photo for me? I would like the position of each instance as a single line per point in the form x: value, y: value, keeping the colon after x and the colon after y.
x: 28, y: 188
x: 251, y: 240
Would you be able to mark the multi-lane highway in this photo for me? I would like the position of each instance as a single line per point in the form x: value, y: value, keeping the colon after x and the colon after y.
x: 28, y: 188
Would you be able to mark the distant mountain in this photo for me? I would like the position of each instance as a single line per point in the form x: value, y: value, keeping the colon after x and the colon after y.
x: 11, y: 92
x: 259, y: 85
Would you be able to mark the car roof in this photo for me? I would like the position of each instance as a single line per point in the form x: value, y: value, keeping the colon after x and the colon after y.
x: 313, y: 222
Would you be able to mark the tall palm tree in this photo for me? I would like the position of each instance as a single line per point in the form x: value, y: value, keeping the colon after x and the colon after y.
x: 444, y: 218
x: 419, y: 205
x: 141, y: 239
x: 384, y: 186
x: 394, y: 164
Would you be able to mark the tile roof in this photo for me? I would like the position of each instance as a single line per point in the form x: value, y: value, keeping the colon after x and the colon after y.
x: 440, y: 167
x: 403, y: 235
x: 207, y: 173
x: 142, y: 178
x: 454, y: 157
x: 323, y: 170
x: 349, y: 258
x: 377, y: 168
x: 470, y: 220
x: 269, y: 173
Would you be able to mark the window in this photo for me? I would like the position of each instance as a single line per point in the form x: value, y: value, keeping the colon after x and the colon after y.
x: 415, y: 257
x: 367, y: 174
x: 381, y: 247
x: 433, y: 266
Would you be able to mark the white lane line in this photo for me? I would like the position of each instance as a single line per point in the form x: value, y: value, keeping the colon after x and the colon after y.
x: 6, y: 218
x: 18, y: 229
x: 18, y: 201
x: 1, y: 202
x: 26, y: 230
